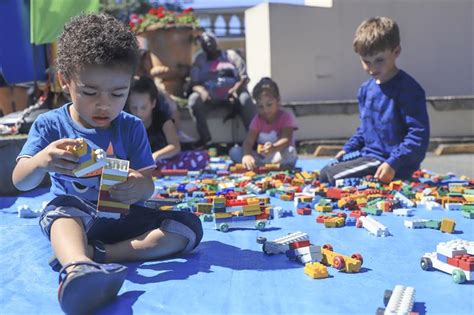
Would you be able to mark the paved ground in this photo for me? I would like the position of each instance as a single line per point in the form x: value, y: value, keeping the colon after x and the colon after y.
x: 459, y: 164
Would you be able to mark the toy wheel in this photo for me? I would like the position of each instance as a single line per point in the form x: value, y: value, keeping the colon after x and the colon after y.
x: 224, y: 227
x: 338, y: 262
x: 358, y: 257
x: 328, y: 247
x: 386, y: 296
x: 260, y: 225
x: 261, y: 240
x: 426, y: 263
x: 380, y: 311
x: 459, y: 276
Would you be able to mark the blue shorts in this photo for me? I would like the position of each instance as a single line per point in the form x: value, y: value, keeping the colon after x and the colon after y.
x: 110, y: 231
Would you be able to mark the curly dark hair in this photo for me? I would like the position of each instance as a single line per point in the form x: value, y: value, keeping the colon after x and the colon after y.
x: 96, y: 39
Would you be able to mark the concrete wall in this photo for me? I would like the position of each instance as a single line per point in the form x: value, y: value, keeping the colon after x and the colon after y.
x: 308, y: 50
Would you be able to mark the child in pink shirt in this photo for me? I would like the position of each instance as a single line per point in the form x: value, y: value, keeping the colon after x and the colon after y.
x: 272, y: 128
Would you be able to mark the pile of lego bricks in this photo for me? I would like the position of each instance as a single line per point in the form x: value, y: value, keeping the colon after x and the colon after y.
x: 340, y: 205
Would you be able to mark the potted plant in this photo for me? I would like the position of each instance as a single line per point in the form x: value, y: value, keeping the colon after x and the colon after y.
x: 170, y: 36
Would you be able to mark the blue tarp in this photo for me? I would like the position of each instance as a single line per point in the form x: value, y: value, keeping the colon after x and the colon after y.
x: 229, y: 274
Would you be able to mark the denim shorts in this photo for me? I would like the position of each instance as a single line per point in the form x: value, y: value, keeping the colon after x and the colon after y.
x: 110, y: 231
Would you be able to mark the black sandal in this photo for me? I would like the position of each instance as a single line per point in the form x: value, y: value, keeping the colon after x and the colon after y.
x: 89, y: 286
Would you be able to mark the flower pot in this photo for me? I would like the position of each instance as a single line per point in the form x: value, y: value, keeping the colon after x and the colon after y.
x: 171, y: 55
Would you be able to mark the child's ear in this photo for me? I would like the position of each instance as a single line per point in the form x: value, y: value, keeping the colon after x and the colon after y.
x: 154, y: 104
x: 397, y: 50
x: 64, y: 82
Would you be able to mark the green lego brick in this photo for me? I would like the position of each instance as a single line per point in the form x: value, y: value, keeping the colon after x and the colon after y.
x: 433, y: 224
x: 468, y: 207
x: 372, y: 211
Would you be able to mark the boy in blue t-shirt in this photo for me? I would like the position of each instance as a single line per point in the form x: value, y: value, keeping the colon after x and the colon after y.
x: 394, y: 131
x: 97, y: 56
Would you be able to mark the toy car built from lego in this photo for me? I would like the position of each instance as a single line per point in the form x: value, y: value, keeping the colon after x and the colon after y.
x: 430, y: 261
x: 296, y: 246
x: 455, y: 257
x: 340, y: 262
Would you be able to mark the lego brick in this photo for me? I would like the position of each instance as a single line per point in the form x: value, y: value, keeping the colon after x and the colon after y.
x: 303, y: 211
x: 401, y: 301
x: 453, y: 248
x: 299, y: 244
x: 447, y: 225
x: 316, y: 270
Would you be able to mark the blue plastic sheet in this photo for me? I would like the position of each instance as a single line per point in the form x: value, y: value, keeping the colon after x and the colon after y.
x: 229, y: 274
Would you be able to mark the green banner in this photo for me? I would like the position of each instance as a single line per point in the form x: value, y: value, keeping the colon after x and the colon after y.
x: 47, y: 17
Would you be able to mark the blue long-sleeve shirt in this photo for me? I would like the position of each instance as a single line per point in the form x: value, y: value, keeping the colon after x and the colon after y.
x: 394, y: 125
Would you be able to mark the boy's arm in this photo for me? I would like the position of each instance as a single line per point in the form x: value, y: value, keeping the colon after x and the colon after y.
x: 356, y: 142
x: 30, y: 171
x: 415, y: 115
x: 173, y: 147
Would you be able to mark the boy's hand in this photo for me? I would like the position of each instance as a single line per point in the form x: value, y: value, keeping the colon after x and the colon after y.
x: 385, y: 173
x: 55, y: 157
x: 249, y: 162
x: 268, y: 148
x: 340, y: 154
x: 132, y: 190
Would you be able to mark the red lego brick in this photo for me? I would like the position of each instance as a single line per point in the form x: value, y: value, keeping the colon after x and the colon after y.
x: 235, y: 203
x: 453, y: 261
x: 303, y: 211
x: 175, y: 172
x: 262, y: 216
x: 357, y: 213
x: 334, y: 193
x: 299, y: 244
x: 320, y: 219
x: 466, y: 262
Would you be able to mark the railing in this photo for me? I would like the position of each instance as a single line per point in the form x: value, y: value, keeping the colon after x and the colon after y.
x: 224, y: 22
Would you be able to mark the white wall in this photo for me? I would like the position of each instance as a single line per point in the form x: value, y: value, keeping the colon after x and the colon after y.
x: 308, y: 50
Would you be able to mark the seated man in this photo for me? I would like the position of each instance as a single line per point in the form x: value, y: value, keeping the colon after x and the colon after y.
x: 218, y: 78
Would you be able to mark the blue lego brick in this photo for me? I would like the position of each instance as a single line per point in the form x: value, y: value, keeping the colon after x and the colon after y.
x: 350, y: 221
x: 222, y: 220
x: 244, y: 218
x: 442, y: 258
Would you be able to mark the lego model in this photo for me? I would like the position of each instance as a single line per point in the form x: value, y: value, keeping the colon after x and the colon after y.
x: 296, y: 246
x: 340, y: 262
x: 114, y: 172
x: 373, y: 226
x: 240, y: 213
x: 90, y: 160
x: 455, y: 257
x: 400, y: 300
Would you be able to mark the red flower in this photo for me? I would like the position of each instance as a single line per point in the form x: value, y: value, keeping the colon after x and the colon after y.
x: 188, y: 10
x: 131, y: 24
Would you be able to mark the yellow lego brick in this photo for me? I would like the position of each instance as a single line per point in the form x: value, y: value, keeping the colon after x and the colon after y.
x: 219, y: 215
x: 334, y: 222
x: 250, y: 174
x: 117, y: 178
x: 316, y: 270
x: 469, y: 198
x: 286, y: 197
x: 204, y: 207
x: 321, y: 208
x: 447, y: 225
x: 166, y: 208
x: 112, y: 204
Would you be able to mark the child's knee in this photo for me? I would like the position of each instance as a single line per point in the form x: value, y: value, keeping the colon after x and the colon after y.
x: 192, y: 236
